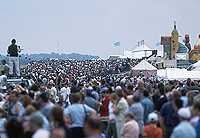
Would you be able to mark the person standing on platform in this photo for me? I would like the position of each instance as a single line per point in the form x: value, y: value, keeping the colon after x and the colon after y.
x: 13, y: 51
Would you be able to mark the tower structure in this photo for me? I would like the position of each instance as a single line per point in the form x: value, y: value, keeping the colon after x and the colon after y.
x: 174, y: 41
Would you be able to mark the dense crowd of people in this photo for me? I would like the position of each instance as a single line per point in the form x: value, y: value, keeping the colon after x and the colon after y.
x: 93, y: 99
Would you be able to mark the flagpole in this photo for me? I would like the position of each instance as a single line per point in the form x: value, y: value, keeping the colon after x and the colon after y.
x: 119, y: 50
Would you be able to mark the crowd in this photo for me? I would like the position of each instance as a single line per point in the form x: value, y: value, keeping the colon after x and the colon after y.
x: 92, y: 99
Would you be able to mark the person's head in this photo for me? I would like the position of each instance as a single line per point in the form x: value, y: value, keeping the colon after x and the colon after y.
x: 2, y: 72
x: 129, y: 117
x: 176, y: 94
x: 44, y: 98
x: 119, y: 94
x: 13, y: 41
x: 88, y: 92
x: 42, y: 88
x: 136, y: 98
x: 29, y: 110
x: 25, y: 100
x: 75, y: 98
x: 113, y: 97
x: 35, y: 121
x: 58, y: 133
x: 57, y: 115
x: 36, y: 105
x: 184, y: 114
x: 196, y: 108
x: 14, y: 129
x: 177, y: 104
x: 129, y: 86
x: 3, y: 62
x: 14, y: 97
x: 92, y: 126
x: 190, y: 96
x: 145, y: 93
x: 50, y: 85
x: 153, y: 118
x: 104, y: 91
x: 140, y: 84
x: 130, y: 99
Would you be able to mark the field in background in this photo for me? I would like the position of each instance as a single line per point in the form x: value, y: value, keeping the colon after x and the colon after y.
x: 21, y: 66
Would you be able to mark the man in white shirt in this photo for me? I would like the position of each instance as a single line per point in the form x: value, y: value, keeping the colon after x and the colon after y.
x: 52, y: 91
x: 66, y: 91
x: 3, y: 81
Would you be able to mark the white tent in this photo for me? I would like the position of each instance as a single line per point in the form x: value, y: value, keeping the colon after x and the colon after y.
x: 178, y: 74
x: 139, y: 52
x: 196, y: 66
x: 146, y: 68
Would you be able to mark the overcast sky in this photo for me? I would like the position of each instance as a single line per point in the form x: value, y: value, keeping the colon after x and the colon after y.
x: 93, y: 26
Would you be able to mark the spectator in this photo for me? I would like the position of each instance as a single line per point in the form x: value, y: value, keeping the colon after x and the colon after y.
x: 35, y: 122
x: 57, y: 119
x: 138, y: 112
x: 5, y: 67
x: 14, y: 129
x: 92, y: 127
x: 119, y: 107
x: 130, y: 128
x: 111, y: 128
x: 147, y: 106
x: 89, y: 100
x: 152, y: 131
x: 184, y: 128
x: 77, y: 113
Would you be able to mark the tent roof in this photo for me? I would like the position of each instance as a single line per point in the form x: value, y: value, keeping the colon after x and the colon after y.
x: 141, y: 48
x: 144, y: 65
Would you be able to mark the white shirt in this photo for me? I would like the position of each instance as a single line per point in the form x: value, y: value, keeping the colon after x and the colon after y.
x: 41, y: 133
x: 66, y: 91
x: 110, y: 109
x: 3, y: 81
x: 53, y: 92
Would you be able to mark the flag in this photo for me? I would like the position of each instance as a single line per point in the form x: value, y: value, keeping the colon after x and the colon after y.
x: 158, y: 44
x: 117, y: 44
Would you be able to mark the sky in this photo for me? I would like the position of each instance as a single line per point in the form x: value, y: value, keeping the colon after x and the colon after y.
x: 93, y: 26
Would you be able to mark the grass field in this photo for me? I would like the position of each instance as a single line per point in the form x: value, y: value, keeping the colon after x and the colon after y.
x: 21, y: 66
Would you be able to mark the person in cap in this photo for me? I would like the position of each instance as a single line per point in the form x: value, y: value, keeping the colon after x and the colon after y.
x: 184, y: 128
x: 89, y: 100
x: 105, y: 103
x: 95, y: 93
x: 151, y: 130
x: 130, y: 128
x: 13, y: 51
x: 35, y: 122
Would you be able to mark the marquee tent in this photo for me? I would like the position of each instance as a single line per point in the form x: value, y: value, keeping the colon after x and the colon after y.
x: 139, y: 52
x: 195, y: 66
x: 178, y: 74
x: 146, y: 68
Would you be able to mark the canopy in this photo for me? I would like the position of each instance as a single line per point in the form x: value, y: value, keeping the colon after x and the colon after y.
x: 141, y: 51
x: 195, y: 66
x: 144, y: 65
x: 178, y: 74
x: 146, y: 68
